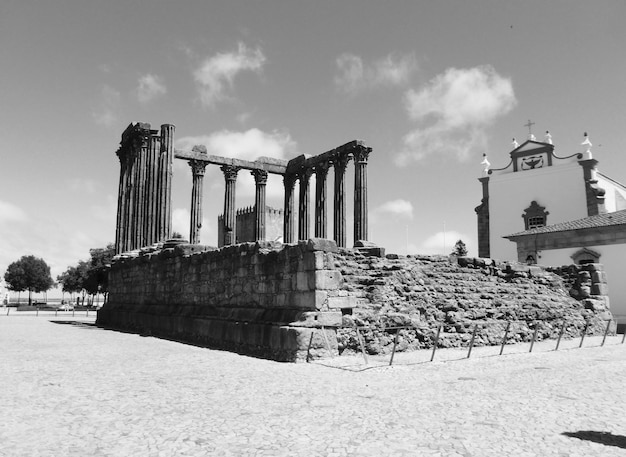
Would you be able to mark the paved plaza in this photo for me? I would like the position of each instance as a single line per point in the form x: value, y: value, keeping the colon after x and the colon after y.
x: 69, y: 388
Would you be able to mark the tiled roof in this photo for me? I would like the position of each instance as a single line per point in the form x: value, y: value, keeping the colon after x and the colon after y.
x: 600, y: 220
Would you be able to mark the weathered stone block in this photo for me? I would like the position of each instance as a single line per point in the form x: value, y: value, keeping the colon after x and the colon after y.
x: 321, y: 244
x: 343, y: 302
x: 317, y: 319
x: 325, y: 280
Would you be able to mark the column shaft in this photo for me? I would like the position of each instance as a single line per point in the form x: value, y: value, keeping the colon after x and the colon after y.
x: 360, y: 194
x: 289, y: 182
x: 339, y: 227
x: 260, y: 180
x: 230, y: 218
x: 166, y: 164
x: 321, y: 173
x: 197, y: 169
x: 303, y: 206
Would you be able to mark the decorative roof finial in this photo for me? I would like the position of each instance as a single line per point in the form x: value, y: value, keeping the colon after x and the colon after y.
x: 515, y: 144
x: 530, y: 133
x: 588, y: 144
x: 486, y: 163
x: 548, y: 137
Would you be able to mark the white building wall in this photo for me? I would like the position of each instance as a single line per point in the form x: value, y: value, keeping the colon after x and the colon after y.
x: 613, y: 257
x: 560, y: 188
x: 615, y: 196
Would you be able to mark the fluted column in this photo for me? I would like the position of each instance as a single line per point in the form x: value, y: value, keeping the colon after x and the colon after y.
x: 303, y: 207
x: 340, y: 163
x: 289, y: 182
x: 360, y: 193
x: 230, y: 218
x: 197, y: 169
x: 150, y: 235
x: 166, y: 159
x: 121, y: 200
x: 260, y: 180
x: 321, y: 172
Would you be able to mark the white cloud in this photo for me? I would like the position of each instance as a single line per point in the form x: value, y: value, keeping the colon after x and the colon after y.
x: 453, y: 111
x: 354, y: 75
x: 181, y: 221
x: 248, y: 145
x: 442, y: 243
x: 11, y: 213
x: 216, y: 74
x: 150, y: 87
x: 108, y: 106
x: 396, y: 208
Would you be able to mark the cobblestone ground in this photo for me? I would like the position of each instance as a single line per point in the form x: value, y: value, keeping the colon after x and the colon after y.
x: 71, y: 389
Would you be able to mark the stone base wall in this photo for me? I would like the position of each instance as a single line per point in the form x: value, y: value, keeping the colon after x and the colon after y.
x: 426, y: 292
x: 265, y: 299
x: 304, y: 301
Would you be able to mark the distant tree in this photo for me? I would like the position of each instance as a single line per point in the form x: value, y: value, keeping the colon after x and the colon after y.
x: 72, y: 280
x: 177, y: 235
x: 460, y: 249
x: 98, y: 272
x: 89, y: 276
x: 29, y: 273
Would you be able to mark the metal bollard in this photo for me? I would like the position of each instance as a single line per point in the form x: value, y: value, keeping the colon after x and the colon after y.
x: 395, y: 343
x: 623, y: 337
x: 532, y: 343
x: 358, y: 335
x: 506, y: 334
x: 472, y: 341
x: 56, y: 312
x: 72, y: 313
x: 37, y: 313
x: 8, y: 309
x: 558, y: 342
x: 584, y: 333
x: 606, y: 331
x: 332, y: 356
x: 432, y: 357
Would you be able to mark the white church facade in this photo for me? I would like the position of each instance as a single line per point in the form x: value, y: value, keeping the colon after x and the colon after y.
x: 555, y: 210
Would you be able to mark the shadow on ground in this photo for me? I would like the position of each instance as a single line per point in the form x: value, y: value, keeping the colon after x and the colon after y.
x: 605, y: 438
x: 87, y: 325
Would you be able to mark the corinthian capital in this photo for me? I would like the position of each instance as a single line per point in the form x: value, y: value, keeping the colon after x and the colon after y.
x: 197, y: 167
x: 230, y: 172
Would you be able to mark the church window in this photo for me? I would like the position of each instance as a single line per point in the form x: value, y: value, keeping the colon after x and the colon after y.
x: 584, y: 256
x: 535, y: 216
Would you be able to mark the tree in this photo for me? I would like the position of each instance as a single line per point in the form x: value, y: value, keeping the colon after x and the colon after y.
x: 89, y: 276
x: 460, y: 250
x: 29, y: 273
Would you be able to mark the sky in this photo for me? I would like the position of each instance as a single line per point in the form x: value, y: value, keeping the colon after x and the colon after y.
x: 429, y: 86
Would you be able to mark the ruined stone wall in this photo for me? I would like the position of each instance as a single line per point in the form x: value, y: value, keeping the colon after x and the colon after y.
x: 293, y: 302
x: 424, y: 292
x: 266, y: 299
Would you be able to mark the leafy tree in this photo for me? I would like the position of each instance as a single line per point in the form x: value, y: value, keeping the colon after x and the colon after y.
x: 29, y: 273
x: 89, y: 276
x: 73, y: 278
x: 98, y: 273
x: 460, y: 249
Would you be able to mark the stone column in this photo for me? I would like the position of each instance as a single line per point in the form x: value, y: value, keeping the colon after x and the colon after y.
x: 482, y: 213
x: 321, y: 172
x: 289, y: 182
x: 303, y: 206
x: 340, y: 162
x: 197, y: 170
x: 121, y: 201
x: 166, y: 159
x: 230, y: 218
x: 260, y: 180
x: 360, y: 193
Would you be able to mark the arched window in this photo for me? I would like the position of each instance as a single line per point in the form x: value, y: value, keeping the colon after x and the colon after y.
x: 584, y: 255
x: 535, y: 216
